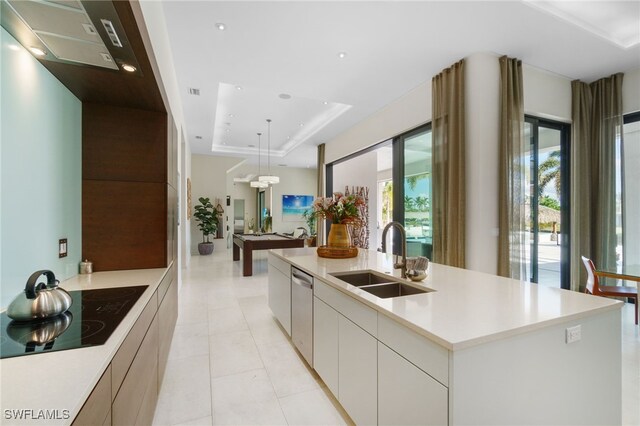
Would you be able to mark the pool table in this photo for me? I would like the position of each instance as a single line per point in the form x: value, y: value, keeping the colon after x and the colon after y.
x: 250, y: 242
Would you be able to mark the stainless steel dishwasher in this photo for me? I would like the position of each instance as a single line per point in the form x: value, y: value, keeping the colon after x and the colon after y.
x: 302, y: 313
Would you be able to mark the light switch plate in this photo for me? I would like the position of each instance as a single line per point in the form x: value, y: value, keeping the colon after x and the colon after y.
x: 62, y: 247
x: 574, y: 334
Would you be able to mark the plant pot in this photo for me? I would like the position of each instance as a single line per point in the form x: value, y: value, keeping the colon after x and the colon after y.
x: 205, y: 248
x: 339, y: 236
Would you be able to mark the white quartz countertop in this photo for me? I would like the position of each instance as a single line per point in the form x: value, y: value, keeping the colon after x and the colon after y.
x: 466, y: 308
x: 63, y: 380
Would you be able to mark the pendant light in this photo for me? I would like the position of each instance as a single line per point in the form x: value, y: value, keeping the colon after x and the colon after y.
x: 269, y: 178
x: 257, y: 183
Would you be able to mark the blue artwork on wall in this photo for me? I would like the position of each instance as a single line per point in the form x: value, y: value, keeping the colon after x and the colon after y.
x: 293, y: 206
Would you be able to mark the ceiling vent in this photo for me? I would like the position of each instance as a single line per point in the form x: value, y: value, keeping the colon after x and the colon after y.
x: 193, y: 91
x: 111, y: 32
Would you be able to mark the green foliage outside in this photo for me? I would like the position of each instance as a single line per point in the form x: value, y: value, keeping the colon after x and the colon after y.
x: 547, y: 201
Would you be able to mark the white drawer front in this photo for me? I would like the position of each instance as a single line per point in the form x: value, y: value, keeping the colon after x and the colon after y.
x: 430, y: 357
x: 280, y: 264
x: 357, y: 312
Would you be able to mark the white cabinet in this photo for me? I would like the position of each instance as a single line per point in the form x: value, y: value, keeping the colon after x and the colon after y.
x: 406, y: 394
x: 325, y: 347
x: 357, y: 372
x: 280, y: 294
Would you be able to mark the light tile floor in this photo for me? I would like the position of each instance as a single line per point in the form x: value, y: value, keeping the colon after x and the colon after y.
x: 231, y: 363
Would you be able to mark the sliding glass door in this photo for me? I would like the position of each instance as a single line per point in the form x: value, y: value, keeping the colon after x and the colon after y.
x: 416, y: 147
x: 547, y: 203
x: 628, y: 197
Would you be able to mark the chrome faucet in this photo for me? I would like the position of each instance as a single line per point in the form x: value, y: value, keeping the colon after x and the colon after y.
x: 403, y: 234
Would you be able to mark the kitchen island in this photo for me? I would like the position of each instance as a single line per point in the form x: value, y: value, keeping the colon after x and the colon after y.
x: 475, y: 349
x: 114, y: 382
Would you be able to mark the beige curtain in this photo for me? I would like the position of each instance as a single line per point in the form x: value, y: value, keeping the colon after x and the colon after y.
x: 511, y: 186
x: 597, y: 122
x: 320, y: 224
x: 449, y: 204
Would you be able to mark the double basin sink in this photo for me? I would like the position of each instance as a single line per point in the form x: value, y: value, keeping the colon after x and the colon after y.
x: 380, y: 285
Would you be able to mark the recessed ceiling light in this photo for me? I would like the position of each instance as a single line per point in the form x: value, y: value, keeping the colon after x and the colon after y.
x: 301, y: 124
x: 128, y: 68
x: 228, y: 130
x: 13, y: 47
x: 288, y: 137
x: 284, y: 96
x: 238, y: 87
x: 221, y: 26
x: 342, y: 55
x: 326, y: 103
x: 37, y: 51
x: 231, y: 115
x: 224, y: 143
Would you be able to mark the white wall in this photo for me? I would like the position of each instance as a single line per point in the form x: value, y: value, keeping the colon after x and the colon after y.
x: 209, y: 179
x: 185, y: 223
x: 482, y: 98
x: 293, y: 181
x: 546, y: 94
x: 361, y: 171
x: 406, y: 113
x: 631, y: 91
x: 41, y: 171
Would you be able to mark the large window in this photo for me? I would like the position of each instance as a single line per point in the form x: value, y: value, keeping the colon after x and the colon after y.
x: 547, y: 202
x: 628, y: 195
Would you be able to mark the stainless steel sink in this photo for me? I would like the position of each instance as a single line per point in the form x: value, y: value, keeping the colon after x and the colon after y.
x: 362, y: 278
x: 385, y: 291
x: 378, y: 284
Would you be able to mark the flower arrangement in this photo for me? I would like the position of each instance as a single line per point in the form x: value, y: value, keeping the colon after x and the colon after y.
x: 339, y: 209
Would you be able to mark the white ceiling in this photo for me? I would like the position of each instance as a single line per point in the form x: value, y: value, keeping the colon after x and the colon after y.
x: 272, y: 48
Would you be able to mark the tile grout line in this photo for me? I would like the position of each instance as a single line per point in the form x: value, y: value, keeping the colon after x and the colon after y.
x: 264, y: 365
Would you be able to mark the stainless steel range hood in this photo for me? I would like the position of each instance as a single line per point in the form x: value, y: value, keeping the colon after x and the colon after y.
x: 70, y: 31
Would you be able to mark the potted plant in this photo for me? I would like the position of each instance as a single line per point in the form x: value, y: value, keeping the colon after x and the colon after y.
x: 310, y: 218
x: 207, y: 218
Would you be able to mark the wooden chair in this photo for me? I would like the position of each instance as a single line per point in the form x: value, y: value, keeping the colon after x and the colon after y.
x: 594, y: 287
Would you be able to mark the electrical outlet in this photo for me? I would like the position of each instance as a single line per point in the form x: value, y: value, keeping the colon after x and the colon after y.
x: 574, y: 334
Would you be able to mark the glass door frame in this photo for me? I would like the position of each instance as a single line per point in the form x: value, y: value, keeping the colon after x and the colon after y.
x: 565, y: 198
x: 397, y: 174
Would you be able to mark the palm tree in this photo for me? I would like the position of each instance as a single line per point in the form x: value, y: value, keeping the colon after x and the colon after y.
x: 387, y: 202
x: 413, y: 180
x: 422, y: 203
x: 409, y: 203
x: 548, y: 171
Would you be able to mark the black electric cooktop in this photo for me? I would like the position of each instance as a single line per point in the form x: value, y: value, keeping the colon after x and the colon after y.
x: 93, y: 316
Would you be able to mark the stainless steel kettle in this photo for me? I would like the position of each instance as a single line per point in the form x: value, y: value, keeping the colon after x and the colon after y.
x: 39, y: 301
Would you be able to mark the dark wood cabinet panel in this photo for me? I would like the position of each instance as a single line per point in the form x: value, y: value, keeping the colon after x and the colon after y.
x: 123, y: 144
x: 124, y: 224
